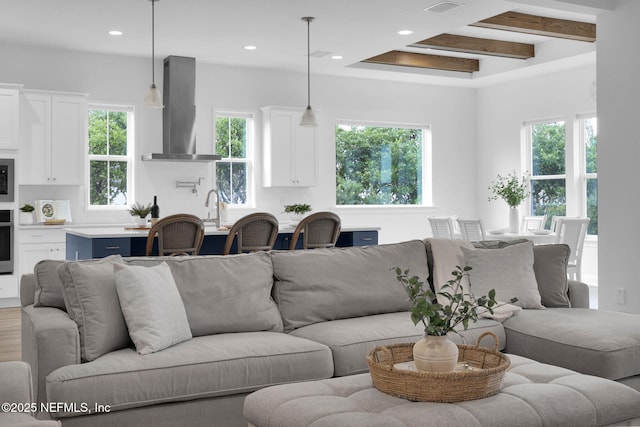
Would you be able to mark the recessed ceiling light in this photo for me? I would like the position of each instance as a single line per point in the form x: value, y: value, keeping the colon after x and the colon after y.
x: 250, y: 47
x: 115, y: 33
x: 337, y: 57
x: 405, y: 32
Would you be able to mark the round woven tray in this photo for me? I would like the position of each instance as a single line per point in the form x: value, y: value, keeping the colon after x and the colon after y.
x: 479, y: 374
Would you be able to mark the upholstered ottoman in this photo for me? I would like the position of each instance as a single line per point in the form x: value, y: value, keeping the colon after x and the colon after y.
x: 533, y: 394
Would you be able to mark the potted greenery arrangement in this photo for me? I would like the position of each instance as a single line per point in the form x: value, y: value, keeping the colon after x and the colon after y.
x: 26, y: 214
x: 297, y: 211
x: 436, y: 352
x: 140, y: 211
x: 513, y: 190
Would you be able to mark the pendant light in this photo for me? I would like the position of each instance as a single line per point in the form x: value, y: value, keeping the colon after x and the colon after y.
x: 153, y: 98
x: 309, y: 117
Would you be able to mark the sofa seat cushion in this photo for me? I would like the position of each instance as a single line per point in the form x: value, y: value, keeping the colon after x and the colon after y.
x: 595, y: 342
x: 351, y: 339
x: 203, y: 367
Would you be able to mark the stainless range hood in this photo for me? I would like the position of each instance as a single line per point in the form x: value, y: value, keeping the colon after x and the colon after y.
x: 179, y: 115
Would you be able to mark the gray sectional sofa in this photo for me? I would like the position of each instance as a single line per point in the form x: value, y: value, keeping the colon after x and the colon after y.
x: 262, y: 319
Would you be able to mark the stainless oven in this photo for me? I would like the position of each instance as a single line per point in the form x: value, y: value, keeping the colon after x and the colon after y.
x: 6, y: 180
x: 6, y: 241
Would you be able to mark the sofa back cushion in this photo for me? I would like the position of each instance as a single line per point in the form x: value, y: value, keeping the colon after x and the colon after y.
x: 92, y: 302
x: 223, y: 293
x: 327, y: 284
x: 49, y: 292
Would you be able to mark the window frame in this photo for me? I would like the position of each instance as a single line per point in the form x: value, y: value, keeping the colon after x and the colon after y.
x: 129, y: 158
x: 584, y: 175
x: 426, y: 158
x: 249, y: 154
x: 575, y: 175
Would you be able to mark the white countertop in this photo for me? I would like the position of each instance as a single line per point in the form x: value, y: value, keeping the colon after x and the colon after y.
x: 115, y: 231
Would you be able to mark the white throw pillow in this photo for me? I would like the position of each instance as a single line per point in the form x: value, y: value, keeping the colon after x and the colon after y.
x: 152, y: 307
x: 509, y: 271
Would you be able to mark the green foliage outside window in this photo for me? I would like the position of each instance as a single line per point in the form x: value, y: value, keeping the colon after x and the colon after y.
x: 108, y: 157
x: 231, y: 171
x: 378, y: 165
x: 548, y: 195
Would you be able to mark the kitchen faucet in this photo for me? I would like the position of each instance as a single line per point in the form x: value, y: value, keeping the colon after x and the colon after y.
x: 206, y: 203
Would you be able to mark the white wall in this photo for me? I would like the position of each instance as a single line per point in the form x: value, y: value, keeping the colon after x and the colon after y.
x: 618, y: 155
x: 451, y: 112
x: 502, y: 110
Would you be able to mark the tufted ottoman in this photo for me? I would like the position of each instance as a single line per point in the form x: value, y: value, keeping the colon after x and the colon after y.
x: 533, y: 394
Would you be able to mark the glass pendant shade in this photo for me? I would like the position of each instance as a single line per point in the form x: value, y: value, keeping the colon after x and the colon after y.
x: 153, y: 97
x: 308, y: 118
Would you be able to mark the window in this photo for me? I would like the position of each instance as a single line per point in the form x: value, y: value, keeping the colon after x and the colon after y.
x: 547, y: 168
x: 589, y: 144
x: 381, y: 165
x: 110, y: 141
x: 234, y: 134
x: 551, y: 162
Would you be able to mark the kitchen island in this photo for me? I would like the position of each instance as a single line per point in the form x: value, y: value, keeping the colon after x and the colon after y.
x: 86, y: 243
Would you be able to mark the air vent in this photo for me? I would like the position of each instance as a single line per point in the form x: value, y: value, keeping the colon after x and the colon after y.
x: 443, y: 6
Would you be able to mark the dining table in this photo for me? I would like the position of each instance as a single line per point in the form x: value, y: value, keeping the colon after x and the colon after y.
x: 538, y: 237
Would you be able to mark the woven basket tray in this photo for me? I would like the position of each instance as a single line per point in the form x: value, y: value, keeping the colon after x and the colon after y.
x: 479, y: 374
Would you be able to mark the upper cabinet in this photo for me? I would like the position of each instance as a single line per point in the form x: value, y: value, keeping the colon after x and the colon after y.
x: 53, y: 138
x: 290, y: 152
x: 9, y: 116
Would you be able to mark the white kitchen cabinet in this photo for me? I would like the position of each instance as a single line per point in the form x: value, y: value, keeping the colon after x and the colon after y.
x: 37, y: 244
x: 9, y: 116
x: 53, y: 135
x: 290, y: 151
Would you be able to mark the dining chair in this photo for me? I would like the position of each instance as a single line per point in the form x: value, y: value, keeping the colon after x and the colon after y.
x: 530, y: 223
x: 554, y: 222
x: 179, y: 234
x: 572, y: 232
x: 472, y: 229
x: 254, y: 232
x: 319, y: 230
x: 441, y: 227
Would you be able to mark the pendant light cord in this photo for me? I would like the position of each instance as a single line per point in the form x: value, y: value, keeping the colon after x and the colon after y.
x: 309, y: 61
x: 153, y: 41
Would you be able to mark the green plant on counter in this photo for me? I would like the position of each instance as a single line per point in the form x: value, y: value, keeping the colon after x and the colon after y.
x: 297, y: 208
x: 139, y: 209
x: 440, y: 319
x: 27, y: 208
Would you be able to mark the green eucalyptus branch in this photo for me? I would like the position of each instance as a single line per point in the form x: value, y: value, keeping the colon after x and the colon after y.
x: 440, y: 319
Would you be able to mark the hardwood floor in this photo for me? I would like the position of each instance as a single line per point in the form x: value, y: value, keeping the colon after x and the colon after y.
x: 10, y: 334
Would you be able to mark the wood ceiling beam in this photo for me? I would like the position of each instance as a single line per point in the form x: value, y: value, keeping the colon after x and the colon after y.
x: 480, y: 46
x: 540, y: 25
x: 419, y: 60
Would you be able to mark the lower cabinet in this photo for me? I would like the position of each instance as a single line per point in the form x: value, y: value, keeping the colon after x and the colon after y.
x: 38, y: 244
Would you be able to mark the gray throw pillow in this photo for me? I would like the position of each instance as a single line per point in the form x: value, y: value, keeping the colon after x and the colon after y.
x: 92, y: 302
x: 49, y: 292
x: 550, y: 267
x: 152, y: 307
x: 508, y: 270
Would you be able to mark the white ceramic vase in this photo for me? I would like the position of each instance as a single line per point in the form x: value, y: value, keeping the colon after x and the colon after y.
x: 514, y: 219
x: 141, y: 222
x: 435, y: 354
